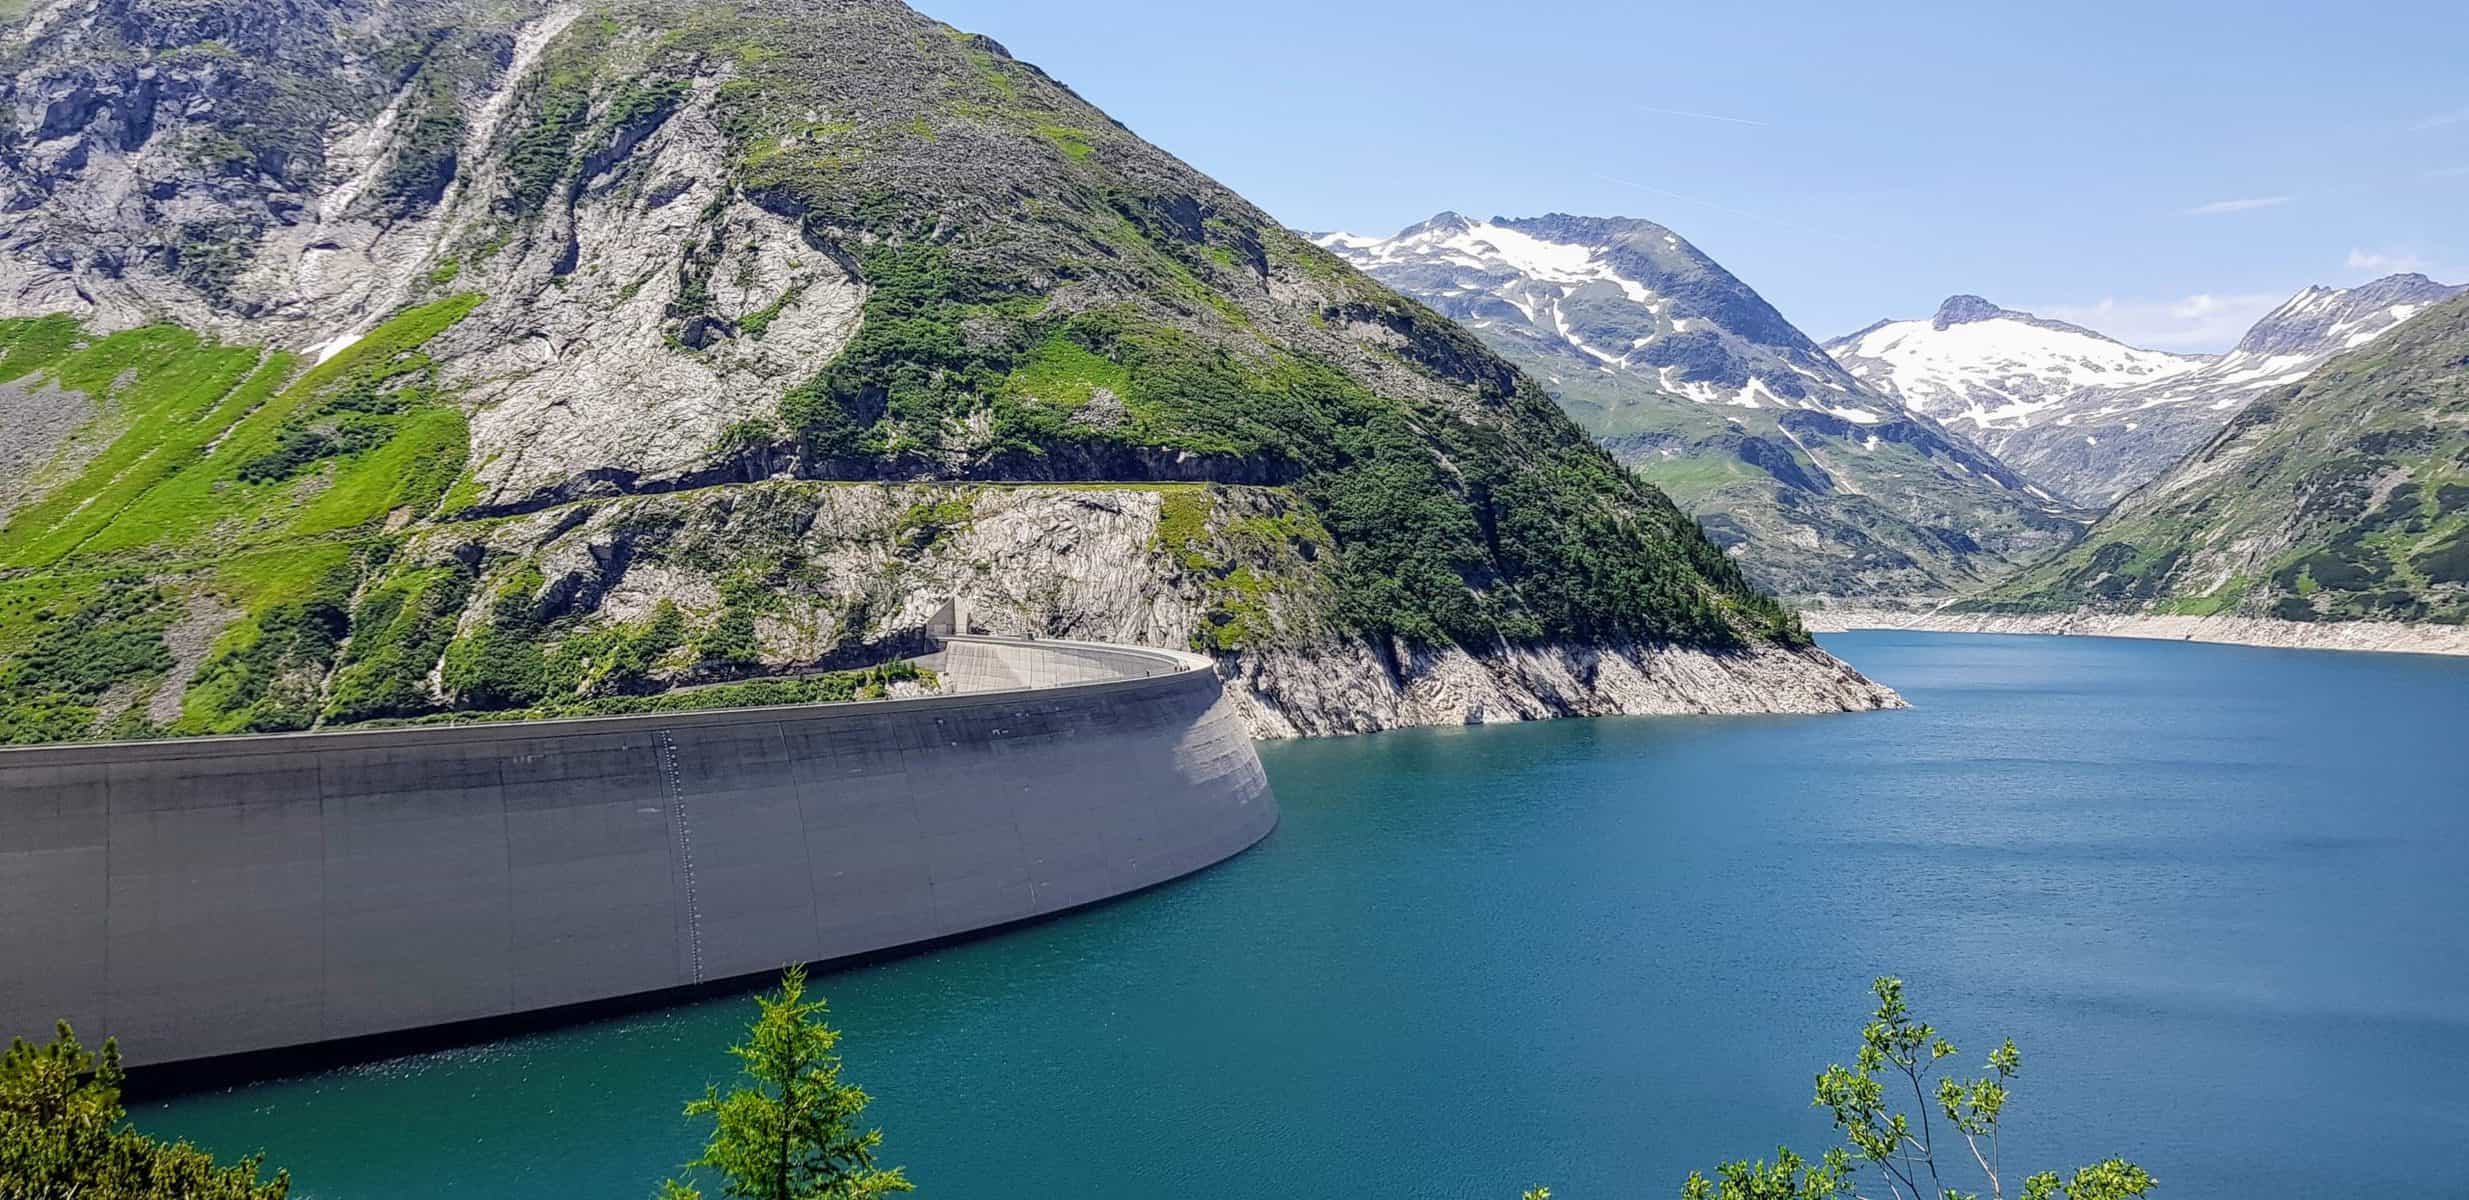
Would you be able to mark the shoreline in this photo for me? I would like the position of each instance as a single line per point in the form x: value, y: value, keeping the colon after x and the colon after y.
x: 2377, y: 637
x: 1349, y: 688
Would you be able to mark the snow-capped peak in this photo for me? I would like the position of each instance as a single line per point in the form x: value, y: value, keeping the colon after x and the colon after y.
x: 1488, y: 246
x: 1979, y: 365
x: 2095, y: 418
x: 1615, y: 295
x: 2322, y: 320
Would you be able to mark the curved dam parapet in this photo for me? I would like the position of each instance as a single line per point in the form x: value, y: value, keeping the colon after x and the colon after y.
x: 210, y: 897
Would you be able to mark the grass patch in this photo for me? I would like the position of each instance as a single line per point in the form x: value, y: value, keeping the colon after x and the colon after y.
x: 923, y: 525
x: 69, y: 658
x: 872, y: 683
x: 1183, y: 529
x: 1064, y: 372
x: 173, y: 394
x: 208, y: 502
x: 759, y: 322
x: 1074, y: 143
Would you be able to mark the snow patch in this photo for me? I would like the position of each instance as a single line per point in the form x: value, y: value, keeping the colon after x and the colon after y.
x: 332, y: 346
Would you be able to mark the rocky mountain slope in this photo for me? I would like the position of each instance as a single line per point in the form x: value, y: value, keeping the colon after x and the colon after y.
x: 2090, y: 418
x: 1818, y: 483
x: 2344, y: 497
x: 386, y: 359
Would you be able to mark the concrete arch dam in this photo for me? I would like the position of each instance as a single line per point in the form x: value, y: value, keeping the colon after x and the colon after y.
x: 208, y: 897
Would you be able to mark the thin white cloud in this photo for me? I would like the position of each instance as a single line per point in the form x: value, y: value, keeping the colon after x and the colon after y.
x: 1699, y: 116
x: 2387, y: 262
x: 2203, y: 323
x: 2458, y: 116
x: 2246, y: 204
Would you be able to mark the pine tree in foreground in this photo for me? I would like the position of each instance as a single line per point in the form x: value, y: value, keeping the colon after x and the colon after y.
x: 788, y: 1130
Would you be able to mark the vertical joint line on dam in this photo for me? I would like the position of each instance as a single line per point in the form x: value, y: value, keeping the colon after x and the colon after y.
x: 666, y: 743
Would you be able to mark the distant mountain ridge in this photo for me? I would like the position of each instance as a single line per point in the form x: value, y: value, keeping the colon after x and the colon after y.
x: 1819, y: 483
x: 2088, y: 417
x: 1614, y: 292
x: 2344, y: 497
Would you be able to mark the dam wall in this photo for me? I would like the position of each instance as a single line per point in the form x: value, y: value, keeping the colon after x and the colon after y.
x: 208, y: 897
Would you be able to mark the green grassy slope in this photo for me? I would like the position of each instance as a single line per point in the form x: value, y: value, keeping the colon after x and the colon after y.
x: 2345, y: 497
x: 229, y: 478
x: 241, y: 540
x: 1819, y: 509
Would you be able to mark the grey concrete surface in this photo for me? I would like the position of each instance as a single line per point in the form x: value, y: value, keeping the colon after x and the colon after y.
x: 205, y: 897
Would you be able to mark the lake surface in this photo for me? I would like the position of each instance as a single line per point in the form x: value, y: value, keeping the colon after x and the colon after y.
x: 2219, y: 895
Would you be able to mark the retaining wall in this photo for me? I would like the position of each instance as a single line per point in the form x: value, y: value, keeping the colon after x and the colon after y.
x: 207, y: 897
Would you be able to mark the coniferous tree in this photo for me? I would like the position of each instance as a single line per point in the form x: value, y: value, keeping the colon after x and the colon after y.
x: 63, y: 1133
x: 789, y: 1129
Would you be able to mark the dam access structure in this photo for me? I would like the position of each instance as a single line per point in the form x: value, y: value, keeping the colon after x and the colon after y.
x: 209, y: 897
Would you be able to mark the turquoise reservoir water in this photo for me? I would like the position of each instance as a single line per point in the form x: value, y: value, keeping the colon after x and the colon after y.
x: 2219, y: 895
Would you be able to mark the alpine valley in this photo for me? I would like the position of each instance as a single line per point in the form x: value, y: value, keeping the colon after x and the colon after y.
x: 414, y: 359
x: 2092, y: 419
x: 1819, y: 483
x: 1938, y: 473
x: 2340, y: 499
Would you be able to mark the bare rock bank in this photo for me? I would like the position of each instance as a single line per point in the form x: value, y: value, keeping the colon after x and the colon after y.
x: 2381, y: 636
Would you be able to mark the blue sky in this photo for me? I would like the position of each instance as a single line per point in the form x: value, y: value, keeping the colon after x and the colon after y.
x: 2163, y: 171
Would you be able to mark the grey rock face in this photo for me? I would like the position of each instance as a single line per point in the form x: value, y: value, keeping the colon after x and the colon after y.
x: 36, y: 420
x: 1961, y: 309
x: 663, y: 212
x: 1090, y: 564
x: 256, y: 178
x: 2321, y: 321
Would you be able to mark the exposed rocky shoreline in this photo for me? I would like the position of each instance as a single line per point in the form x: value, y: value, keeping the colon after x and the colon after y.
x: 2380, y: 636
x: 1101, y: 564
x: 1347, y: 688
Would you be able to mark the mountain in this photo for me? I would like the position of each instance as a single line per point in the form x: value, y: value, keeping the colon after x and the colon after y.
x: 1820, y: 484
x: 1988, y: 370
x: 385, y: 359
x: 2090, y: 418
x: 2344, y: 497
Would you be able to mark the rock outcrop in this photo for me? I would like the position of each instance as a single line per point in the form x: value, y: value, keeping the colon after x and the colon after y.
x: 481, y: 356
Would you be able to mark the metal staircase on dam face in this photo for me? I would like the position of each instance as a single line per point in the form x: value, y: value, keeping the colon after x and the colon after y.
x: 225, y: 896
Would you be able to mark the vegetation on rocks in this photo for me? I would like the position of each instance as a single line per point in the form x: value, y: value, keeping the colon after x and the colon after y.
x: 1045, y: 298
x: 830, y: 687
x: 71, y: 658
x: 226, y: 474
x: 1119, y: 325
x: 2343, y: 498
